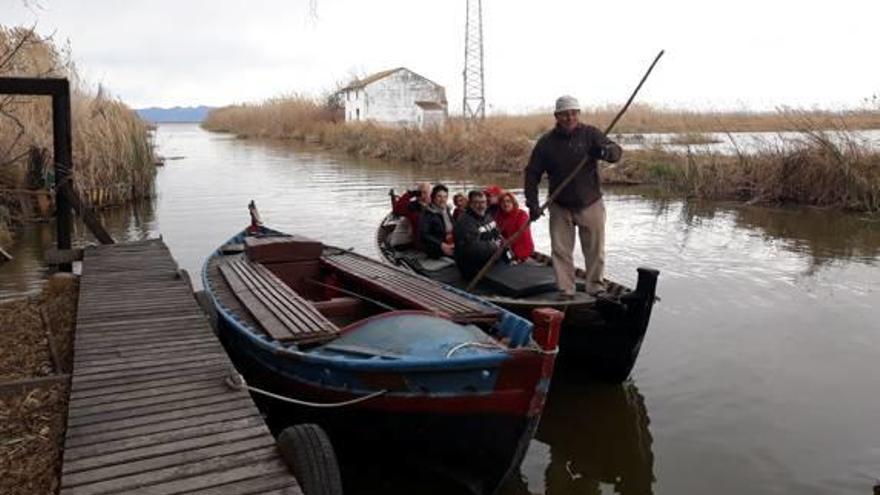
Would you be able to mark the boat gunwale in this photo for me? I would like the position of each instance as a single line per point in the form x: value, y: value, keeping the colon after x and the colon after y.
x: 463, y: 361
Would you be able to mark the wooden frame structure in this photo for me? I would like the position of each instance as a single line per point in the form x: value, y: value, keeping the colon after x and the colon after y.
x: 59, y: 90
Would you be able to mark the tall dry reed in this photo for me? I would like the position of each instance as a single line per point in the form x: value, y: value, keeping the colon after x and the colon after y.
x: 483, y: 147
x: 816, y: 167
x: 113, y: 160
x: 641, y: 118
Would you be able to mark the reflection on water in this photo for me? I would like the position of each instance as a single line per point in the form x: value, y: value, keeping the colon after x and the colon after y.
x: 823, y: 234
x: 593, y: 438
x: 758, y: 370
x: 27, y: 272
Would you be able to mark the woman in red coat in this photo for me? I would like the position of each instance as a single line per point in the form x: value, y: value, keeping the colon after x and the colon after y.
x: 509, y: 219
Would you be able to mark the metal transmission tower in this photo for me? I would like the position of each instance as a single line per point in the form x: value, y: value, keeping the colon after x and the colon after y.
x: 474, y: 104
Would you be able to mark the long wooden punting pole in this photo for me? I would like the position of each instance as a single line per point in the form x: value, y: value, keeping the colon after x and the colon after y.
x: 507, y: 242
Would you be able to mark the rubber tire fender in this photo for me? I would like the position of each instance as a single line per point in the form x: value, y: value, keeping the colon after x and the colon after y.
x: 307, y: 450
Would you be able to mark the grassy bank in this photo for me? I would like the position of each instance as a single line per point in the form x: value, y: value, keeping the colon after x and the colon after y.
x: 817, y: 167
x: 112, y: 158
x: 648, y: 119
x: 814, y: 169
x: 483, y: 147
x: 32, y: 420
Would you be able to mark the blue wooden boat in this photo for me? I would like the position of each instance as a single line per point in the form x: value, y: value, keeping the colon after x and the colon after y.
x: 380, y: 356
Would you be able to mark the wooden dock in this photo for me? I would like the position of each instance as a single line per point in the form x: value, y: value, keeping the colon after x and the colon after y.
x: 149, y: 409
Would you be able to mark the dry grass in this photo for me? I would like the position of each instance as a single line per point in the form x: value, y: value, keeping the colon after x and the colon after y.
x: 32, y: 422
x: 821, y: 168
x: 483, y: 147
x: 292, y: 117
x: 642, y: 118
x: 112, y: 156
x: 827, y: 168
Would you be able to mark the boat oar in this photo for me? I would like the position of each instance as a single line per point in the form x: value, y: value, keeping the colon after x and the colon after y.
x: 507, y: 242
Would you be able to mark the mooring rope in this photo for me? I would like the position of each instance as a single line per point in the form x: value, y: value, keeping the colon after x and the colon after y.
x: 237, y: 382
x: 484, y: 345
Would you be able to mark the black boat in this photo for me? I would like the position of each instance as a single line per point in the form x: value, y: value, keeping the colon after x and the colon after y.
x: 601, y: 334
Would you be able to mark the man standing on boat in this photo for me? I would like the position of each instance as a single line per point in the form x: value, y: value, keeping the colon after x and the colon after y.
x: 579, y: 205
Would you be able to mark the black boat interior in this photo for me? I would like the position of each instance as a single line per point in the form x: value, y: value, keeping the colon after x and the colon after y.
x: 530, y: 283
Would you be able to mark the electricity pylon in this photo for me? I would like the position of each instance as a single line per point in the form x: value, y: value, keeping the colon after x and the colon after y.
x: 474, y: 102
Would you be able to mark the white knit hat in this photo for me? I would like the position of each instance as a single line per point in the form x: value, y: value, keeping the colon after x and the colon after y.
x: 566, y: 102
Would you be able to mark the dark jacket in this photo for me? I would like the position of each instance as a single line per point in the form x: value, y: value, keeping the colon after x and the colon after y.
x: 432, y: 231
x: 476, y: 239
x: 558, y: 153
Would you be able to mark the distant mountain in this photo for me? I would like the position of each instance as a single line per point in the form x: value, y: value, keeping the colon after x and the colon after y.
x: 174, y: 114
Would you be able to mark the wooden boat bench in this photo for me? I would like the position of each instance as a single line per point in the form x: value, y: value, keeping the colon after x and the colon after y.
x: 408, y: 288
x: 284, y: 315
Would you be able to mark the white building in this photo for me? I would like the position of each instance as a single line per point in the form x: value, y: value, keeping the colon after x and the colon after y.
x: 397, y: 97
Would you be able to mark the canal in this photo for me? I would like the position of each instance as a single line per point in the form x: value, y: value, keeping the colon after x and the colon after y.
x: 758, y: 373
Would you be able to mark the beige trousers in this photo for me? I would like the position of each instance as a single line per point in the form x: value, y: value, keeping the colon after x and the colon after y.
x: 590, y: 223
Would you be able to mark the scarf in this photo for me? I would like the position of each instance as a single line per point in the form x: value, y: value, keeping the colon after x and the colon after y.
x: 444, y: 214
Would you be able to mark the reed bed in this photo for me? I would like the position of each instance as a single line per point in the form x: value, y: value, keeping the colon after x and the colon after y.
x: 113, y: 160
x: 642, y: 118
x: 481, y: 147
x: 816, y: 167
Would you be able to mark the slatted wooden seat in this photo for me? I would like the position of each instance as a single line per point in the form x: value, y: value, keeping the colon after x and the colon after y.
x: 409, y: 288
x: 284, y: 315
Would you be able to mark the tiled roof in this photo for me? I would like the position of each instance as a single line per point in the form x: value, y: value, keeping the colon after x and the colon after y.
x: 360, y: 83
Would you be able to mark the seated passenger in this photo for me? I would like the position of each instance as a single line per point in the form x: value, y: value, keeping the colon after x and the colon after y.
x: 460, y: 202
x: 435, y: 229
x: 476, y: 237
x: 510, y: 218
x: 410, y: 206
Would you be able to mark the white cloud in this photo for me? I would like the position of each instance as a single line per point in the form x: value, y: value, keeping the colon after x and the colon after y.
x: 751, y: 53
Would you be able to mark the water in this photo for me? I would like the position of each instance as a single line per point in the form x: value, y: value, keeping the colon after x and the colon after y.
x: 745, y: 142
x: 758, y: 371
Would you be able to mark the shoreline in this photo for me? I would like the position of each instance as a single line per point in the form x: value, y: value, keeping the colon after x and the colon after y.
x: 813, y: 171
x: 807, y: 166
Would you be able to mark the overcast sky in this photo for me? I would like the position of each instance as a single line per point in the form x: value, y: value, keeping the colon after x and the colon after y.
x: 754, y: 54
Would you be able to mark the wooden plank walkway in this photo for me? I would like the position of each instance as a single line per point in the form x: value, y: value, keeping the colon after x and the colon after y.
x: 149, y: 410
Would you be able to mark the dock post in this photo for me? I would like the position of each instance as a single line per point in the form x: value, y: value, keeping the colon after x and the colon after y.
x: 61, y: 140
